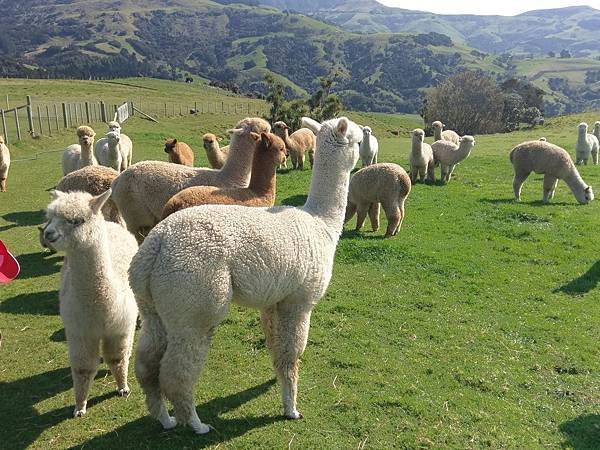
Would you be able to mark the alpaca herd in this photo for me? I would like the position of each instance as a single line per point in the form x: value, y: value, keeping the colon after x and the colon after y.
x: 105, y: 206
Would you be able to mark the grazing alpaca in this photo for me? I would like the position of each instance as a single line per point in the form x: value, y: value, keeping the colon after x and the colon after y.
x: 80, y: 155
x: 215, y: 154
x: 246, y: 257
x: 142, y: 191
x: 384, y: 183
x: 179, y: 152
x: 4, y: 164
x: 421, y: 158
x: 97, y: 306
x: 260, y: 192
x: 298, y: 143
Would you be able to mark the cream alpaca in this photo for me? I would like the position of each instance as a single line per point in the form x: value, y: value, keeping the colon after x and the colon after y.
x: 369, y: 147
x: 215, y: 154
x: 384, y: 183
x: 142, y: 191
x: 248, y: 258
x: 587, y: 145
x: 552, y: 161
x: 448, y: 155
x: 421, y: 158
x: 126, y: 146
x: 4, y: 164
x: 108, y: 152
x: 447, y: 135
x: 80, y: 155
x: 298, y: 143
x: 97, y: 306
x: 596, y: 131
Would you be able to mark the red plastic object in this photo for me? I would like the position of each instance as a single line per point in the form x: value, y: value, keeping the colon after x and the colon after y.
x: 9, y: 266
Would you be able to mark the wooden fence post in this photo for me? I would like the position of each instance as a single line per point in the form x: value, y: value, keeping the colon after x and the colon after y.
x: 48, y: 118
x: 5, y: 134
x: 77, y: 122
x: 87, y: 112
x: 29, y: 115
x: 103, y: 111
x: 65, y: 118
x: 16, y: 110
x: 56, y: 116
x: 166, y: 110
x: 39, y: 111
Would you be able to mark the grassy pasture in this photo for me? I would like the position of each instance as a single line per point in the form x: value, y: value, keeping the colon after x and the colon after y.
x: 476, y: 326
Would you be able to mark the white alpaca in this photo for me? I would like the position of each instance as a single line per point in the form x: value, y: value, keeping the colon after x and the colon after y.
x: 448, y: 154
x: 97, y: 306
x: 108, y: 152
x: 125, y: 147
x: 587, y: 145
x: 421, y: 158
x: 369, y: 148
x: 4, y: 164
x: 80, y: 155
x: 446, y: 135
x: 596, y: 131
x: 246, y: 257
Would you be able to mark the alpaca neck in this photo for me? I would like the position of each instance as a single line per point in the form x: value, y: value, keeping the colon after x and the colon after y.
x: 417, y: 146
x: 87, y: 154
x: 215, y: 156
x: 239, y: 163
x: 328, y: 194
x: 286, y: 138
x: 91, y: 266
x: 462, y: 153
x: 263, y: 179
x: 581, y: 135
x: 437, y: 134
x: 113, y: 150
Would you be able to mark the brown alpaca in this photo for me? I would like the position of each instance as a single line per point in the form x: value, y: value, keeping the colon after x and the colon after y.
x: 216, y: 155
x: 179, y: 152
x: 298, y: 143
x: 269, y: 154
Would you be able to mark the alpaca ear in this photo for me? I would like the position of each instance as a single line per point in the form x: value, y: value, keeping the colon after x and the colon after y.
x: 264, y: 137
x: 311, y: 124
x: 55, y: 193
x: 255, y: 136
x: 96, y: 203
x: 342, y: 126
x: 174, y: 141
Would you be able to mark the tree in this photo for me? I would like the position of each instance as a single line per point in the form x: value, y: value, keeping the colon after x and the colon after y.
x: 274, y: 97
x: 565, y: 53
x: 469, y: 103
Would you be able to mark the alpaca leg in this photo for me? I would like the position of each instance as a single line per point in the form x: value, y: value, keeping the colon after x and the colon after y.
x: 413, y: 174
x: 362, y: 210
x: 518, y: 181
x: 431, y: 172
x: 266, y: 322
x: 291, y: 322
x: 301, y: 159
x: 350, y: 211
x: 374, y: 215
x: 179, y: 370
x: 311, y: 158
x: 450, y: 171
x: 422, y: 174
x: 444, y: 173
x: 116, y: 351
x: 595, y: 158
x: 3, y: 185
x: 549, y: 186
x: 84, y: 359
x: 553, y: 189
x: 151, y: 347
x: 394, y: 218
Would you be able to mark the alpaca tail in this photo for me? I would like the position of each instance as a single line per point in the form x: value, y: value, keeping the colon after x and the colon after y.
x: 140, y: 273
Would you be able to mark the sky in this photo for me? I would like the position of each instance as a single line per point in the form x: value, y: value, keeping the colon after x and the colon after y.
x: 503, y: 7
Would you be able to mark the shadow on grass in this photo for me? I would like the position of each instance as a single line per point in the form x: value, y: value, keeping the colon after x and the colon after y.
x: 582, y: 432
x: 21, y: 422
x: 294, y: 200
x: 37, y: 264
x: 364, y: 234
x: 148, y: 432
x: 499, y: 201
x: 36, y: 303
x: 25, y: 218
x: 583, y: 284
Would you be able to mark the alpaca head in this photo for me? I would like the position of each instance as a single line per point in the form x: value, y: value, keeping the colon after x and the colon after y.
x: 113, y: 125
x: 418, y: 135
x: 210, y: 141
x: 585, y: 196
x: 86, y: 135
x: 367, y: 132
x: 1, y: 139
x: 273, y: 146
x: 337, y: 141
x: 543, y: 139
x: 582, y: 128
x: 73, y: 219
x: 437, y: 125
x: 253, y: 124
x: 467, y: 141
x: 170, y: 145
x: 596, y: 127
x: 113, y: 137
x: 279, y: 128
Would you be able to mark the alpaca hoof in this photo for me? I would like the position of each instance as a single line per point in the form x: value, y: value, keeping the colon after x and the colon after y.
x: 79, y: 412
x: 124, y: 392
x: 168, y: 423
x: 294, y: 415
x: 201, y: 428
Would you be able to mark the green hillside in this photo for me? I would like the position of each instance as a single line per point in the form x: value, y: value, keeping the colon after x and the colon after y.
x: 475, y: 327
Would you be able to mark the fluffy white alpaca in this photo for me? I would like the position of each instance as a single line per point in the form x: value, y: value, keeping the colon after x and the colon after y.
x: 80, y: 155
x: 587, y: 145
x: 97, y: 306
x: 422, y: 165
x: 4, y: 164
x: 448, y: 154
x: 446, y: 135
x: 368, y: 148
x: 246, y: 257
x: 108, y: 152
x: 125, y: 147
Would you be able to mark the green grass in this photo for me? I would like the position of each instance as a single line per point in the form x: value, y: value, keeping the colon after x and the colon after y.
x: 476, y: 326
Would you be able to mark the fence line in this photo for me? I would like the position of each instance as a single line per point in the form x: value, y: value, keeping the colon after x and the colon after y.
x: 37, y: 119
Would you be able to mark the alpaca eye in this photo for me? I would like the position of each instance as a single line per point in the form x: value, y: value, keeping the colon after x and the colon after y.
x: 75, y: 222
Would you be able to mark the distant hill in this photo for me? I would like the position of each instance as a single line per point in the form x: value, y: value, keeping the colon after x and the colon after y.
x: 576, y: 28
x: 238, y: 44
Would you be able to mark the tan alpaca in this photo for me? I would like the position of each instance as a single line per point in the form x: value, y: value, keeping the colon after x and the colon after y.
x: 298, y: 143
x: 179, y: 152
x: 80, y: 155
x: 216, y: 155
x: 269, y: 154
